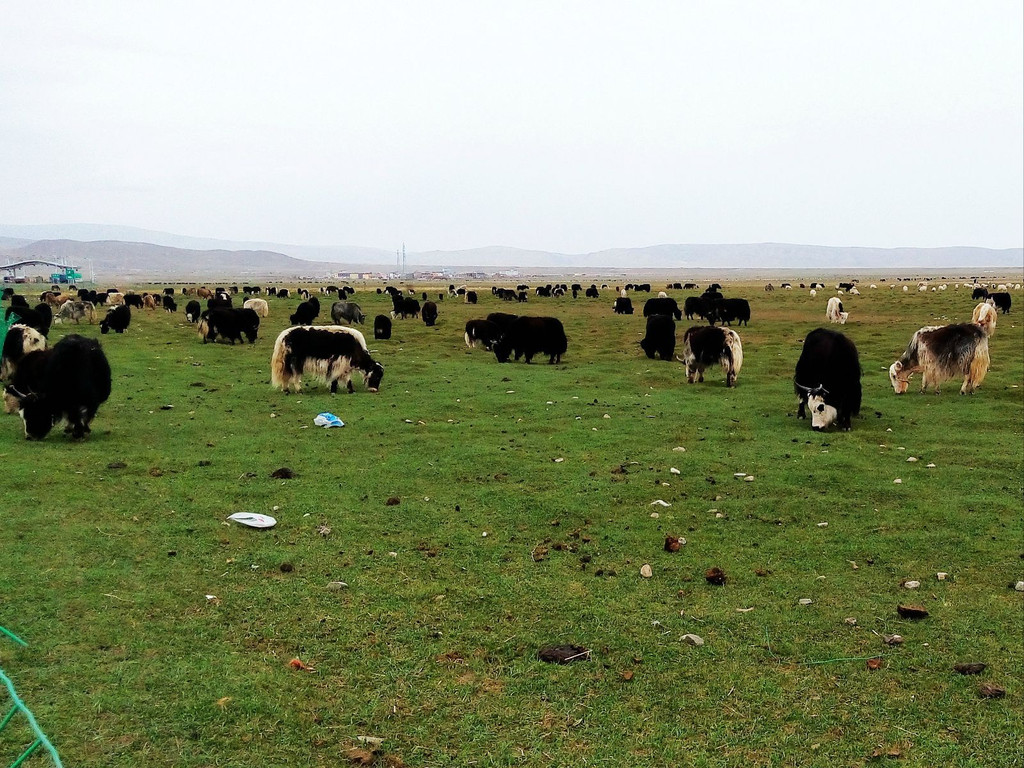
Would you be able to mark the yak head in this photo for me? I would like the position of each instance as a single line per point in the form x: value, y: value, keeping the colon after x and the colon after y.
x: 373, y: 376
x: 900, y: 383
x: 502, y: 349
x: 823, y: 415
x: 33, y: 409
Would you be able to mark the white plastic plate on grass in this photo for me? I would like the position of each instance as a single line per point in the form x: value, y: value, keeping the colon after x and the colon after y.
x: 253, y: 520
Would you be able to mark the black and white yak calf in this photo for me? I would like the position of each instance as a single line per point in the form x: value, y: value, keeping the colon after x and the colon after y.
x: 118, y: 319
x: 19, y: 341
x: 193, y: 310
x: 329, y: 353
x: 66, y: 382
x: 228, y: 324
x: 382, y: 327
x: 704, y: 346
x: 660, y: 338
x: 827, y: 379
x: 482, y: 333
x: 528, y: 336
x: 943, y: 352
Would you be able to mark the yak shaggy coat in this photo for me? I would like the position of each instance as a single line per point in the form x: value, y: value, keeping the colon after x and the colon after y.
x: 329, y: 353
x: 941, y: 353
x: 707, y: 345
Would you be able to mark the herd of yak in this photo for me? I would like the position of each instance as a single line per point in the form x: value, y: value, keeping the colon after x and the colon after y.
x: 70, y: 380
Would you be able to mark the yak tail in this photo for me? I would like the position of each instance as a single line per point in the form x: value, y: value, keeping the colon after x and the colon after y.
x: 735, y: 350
x: 203, y: 328
x: 279, y: 377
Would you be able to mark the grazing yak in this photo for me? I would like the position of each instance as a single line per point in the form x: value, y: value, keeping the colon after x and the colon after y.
x: 259, y: 306
x: 228, y: 324
x: 662, y: 306
x: 67, y: 382
x: 429, y: 313
x: 827, y: 379
x: 979, y: 293
x: 192, y: 311
x: 728, y: 311
x: 348, y: 311
x: 704, y: 346
x: 328, y: 353
x: 528, y: 336
x: 19, y: 341
x: 696, y: 305
x: 940, y: 353
x: 622, y: 306
x: 834, y: 311
x: 1000, y: 301
x: 660, y: 338
x: 170, y: 305
x: 482, y: 333
x: 471, y: 297
x: 305, y: 313
x: 76, y: 311
x: 404, y: 306
x: 118, y: 319
x: 382, y: 327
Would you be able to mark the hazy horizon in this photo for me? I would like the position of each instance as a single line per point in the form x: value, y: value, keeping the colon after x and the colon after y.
x: 569, y: 128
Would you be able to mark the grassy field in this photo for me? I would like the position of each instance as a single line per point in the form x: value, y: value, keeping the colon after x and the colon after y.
x: 161, y: 635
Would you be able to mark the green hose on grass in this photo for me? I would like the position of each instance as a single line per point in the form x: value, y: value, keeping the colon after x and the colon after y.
x: 18, y: 706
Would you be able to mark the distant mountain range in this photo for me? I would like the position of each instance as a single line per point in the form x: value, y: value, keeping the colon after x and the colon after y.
x: 130, y: 252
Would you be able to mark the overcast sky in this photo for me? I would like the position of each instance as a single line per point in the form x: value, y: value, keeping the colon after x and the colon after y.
x: 562, y: 126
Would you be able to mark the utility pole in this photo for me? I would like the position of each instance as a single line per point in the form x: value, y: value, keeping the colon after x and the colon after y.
x: 405, y: 266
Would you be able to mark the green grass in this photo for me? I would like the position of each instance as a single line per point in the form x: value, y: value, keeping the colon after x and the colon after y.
x: 432, y: 646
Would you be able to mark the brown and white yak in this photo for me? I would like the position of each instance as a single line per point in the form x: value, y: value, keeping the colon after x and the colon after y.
x: 329, y: 353
x: 943, y: 352
x: 705, y: 346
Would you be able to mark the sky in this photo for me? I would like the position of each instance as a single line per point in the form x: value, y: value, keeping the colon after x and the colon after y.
x: 556, y: 125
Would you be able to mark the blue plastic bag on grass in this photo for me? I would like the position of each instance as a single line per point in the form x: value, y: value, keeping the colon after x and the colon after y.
x: 328, y: 420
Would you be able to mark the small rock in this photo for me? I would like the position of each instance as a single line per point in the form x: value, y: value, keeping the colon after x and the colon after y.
x: 823, y: 525
x: 850, y: 620
x: 991, y: 691
x: 930, y: 466
x: 805, y: 601
x: 1019, y: 586
x: 897, y: 481
x: 655, y: 515
x: 336, y: 585
x: 912, y: 458
x: 970, y: 668
x: 691, y: 639
x: 673, y: 470
x: 719, y: 515
x: 607, y: 416
x: 889, y: 429
x: 941, y: 575
x: 660, y: 503
x: 166, y: 407
x: 679, y: 449
x: 892, y: 639
x: 646, y: 571
x: 912, y: 584
x: 558, y: 460
x: 748, y: 479
x: 740, y: 475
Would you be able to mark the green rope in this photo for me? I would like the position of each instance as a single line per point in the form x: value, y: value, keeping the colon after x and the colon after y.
x: 19, y: 706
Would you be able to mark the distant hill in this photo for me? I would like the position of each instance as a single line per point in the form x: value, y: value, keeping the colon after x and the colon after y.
x: 127, y: 251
